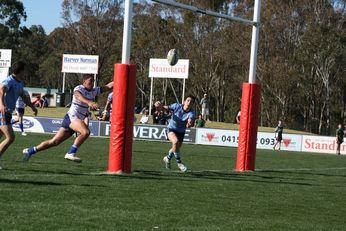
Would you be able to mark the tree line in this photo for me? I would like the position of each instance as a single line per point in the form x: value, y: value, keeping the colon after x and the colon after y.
x: 300, y: 66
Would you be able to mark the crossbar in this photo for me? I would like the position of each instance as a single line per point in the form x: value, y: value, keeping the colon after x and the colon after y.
x: 206, y: 12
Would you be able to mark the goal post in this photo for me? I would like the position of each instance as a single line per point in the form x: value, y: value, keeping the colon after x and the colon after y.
x: 120, y: 154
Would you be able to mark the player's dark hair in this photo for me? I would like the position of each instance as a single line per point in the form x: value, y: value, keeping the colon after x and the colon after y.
x: 87, y: 76
x: 18, y: 67
x: 192, y: 97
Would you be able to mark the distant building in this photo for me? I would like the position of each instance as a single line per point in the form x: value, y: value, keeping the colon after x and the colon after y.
x: 54, y: 97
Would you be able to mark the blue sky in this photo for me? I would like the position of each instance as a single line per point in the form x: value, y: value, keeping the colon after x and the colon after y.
x: 43, y: 12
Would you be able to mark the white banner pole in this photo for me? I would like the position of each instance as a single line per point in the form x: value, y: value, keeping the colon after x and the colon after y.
x: 151, y: 95
x: 182, y: 100
x: 63, y: 82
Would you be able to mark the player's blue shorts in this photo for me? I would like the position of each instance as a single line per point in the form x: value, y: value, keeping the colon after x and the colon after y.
x: 20, y: 110
x: 66, y: 124
x: 179, y: 135
x: 5, y: 119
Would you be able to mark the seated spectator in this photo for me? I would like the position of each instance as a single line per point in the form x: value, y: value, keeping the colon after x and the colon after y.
x: 145, y: 118
x: 144, y: 109
x: 161, y: 118
x: 200, y: 122
x: 44, y: 102
x: 37, y: 102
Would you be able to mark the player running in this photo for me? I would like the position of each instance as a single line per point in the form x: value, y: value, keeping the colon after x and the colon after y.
x: 183, y: 117
x: 83, y: 99
x: 20, y: 109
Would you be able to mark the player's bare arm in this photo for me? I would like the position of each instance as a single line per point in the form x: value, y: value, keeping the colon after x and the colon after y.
x: 2, y: 101
x: 28, y: 102
x: 81, y: 98
x: 107, y: 87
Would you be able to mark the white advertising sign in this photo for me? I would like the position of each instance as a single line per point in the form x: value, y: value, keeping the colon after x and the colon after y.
x: 289, y: 142
x: 87, y: 64
x: 5, y: 57
x: 230, y: 138
x: 321, y: 144
x: 159, y: 68
x: 30, y: 125
x: 217, y: 137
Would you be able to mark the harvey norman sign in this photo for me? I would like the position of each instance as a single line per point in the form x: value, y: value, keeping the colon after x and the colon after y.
x: 87, y: 64
x: 159, y: 68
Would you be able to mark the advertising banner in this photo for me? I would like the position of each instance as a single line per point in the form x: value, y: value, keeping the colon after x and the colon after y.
x: 5, y: 58
x: 49, y: 125
x: 230, y: 138
x: 86, y: 64
x: 290, y: 142
x: 159, y: 68
x: 149, y: 132
x: 321, y: 144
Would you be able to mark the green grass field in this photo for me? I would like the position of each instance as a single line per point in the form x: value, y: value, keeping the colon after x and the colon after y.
x: 288, y: 191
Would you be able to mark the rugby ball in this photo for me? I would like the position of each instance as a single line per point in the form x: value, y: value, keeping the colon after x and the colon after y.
x: 172, y: 57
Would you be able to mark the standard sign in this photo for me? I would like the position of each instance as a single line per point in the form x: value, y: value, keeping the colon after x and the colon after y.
x: 87, y: 64
x: 5, y: 58
x: 159, y: 68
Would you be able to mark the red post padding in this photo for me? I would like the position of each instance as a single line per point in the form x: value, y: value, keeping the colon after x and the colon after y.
x: 250, y: 103
x: 121, y: 134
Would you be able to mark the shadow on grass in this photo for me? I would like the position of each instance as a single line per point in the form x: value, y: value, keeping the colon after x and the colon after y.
x: 42, y: 183
x: 214, y: 175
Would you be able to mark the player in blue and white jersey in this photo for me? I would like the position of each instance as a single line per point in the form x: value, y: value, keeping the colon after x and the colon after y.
x: 20, y: 109
x: 83, y: 99
x: 10, y: 89
x: 106, y: 114
x: 183, y: 117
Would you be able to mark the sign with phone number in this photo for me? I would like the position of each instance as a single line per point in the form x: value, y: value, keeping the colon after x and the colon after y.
x: 230, y: 138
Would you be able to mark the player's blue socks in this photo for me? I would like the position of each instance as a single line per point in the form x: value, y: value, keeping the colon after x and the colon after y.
x: 21, y: 127
x: 73, y: 149
x: 170, y: 154
x: 32, y: 150
x: 177, y: 157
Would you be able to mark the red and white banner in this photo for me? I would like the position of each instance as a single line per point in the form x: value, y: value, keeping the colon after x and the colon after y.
x: 87, y: 64
x: 230, y: 138
x: 321, y: 144
x: 159, y: 68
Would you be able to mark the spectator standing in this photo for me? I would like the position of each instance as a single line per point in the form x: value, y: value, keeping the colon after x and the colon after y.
x: 205, y: 107
x: 238, y: 117
x: 339, y: 138
x: 20, y: 109
x: 278, y: 135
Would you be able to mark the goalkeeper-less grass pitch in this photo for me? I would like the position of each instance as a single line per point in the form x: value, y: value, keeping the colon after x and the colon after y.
x: 288, y: 191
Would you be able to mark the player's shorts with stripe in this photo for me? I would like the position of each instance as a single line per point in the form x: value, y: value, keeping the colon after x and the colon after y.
x: 66, y: 124
x: 179, y: 135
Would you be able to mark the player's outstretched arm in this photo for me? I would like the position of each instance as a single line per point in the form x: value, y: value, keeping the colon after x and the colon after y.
x: 159, y: 106
x: 107, y: 87
x: 28, y: 102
